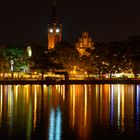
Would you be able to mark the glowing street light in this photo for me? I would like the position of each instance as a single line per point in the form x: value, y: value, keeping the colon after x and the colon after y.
x: 12, y: 65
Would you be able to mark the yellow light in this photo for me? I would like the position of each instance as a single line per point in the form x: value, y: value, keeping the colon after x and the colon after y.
x: 29, y: 51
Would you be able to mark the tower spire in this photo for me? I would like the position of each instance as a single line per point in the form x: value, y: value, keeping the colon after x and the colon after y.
x: 54, y: 28
x: 54, y: 10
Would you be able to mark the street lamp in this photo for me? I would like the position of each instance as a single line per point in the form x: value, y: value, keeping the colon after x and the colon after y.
x: 12, y: 67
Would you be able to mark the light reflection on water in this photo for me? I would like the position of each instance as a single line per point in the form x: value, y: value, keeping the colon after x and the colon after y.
x: 58, y: 112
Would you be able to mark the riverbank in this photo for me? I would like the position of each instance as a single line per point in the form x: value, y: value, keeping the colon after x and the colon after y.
x: 104, y: 81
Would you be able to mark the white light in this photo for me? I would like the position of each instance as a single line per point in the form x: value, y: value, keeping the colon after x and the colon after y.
x: 29, y: 50
x: 51, y: 30
x: 57, y: 30
x: 12, y: 65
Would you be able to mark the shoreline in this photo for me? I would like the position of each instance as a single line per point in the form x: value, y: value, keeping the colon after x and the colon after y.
x: 63, y: 82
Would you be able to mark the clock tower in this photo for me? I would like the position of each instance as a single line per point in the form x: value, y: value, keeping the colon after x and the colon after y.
x: 54, y: 29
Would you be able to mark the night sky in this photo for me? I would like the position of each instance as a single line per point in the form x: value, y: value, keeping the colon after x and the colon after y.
x: 24, y: 22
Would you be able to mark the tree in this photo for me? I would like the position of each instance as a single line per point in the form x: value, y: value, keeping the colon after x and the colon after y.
x: 98, y: 58
x: 66, y: 55
x: 18, y: 55
x: 42, y: 60
x: 133, y: 47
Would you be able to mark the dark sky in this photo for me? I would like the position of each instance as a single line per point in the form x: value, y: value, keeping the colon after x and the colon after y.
x: 23, y: 22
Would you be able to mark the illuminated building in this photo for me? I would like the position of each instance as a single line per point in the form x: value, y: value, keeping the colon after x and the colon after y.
x: 84, y: 42
x: 54, y: 29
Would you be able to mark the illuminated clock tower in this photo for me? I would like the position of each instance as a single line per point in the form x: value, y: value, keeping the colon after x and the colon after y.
x: 54, y: 29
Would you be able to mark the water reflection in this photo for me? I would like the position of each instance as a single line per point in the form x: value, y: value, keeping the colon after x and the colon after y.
x: 82, y: 112
x: 55, y: 124
x: 122, y: 107
x: 138, y: 109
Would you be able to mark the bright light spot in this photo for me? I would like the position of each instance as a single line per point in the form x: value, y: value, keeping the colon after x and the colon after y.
x: 51, y: 30
x: 57, y: 30
x: 12, y: 65
x: 29, y: 51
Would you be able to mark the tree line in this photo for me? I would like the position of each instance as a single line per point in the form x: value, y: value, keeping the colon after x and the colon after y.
x: 104, y: 58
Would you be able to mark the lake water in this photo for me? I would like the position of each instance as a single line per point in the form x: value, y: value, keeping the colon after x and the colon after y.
x: 69, y: 112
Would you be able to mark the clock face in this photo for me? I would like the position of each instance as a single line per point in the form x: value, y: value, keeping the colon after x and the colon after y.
x: 51, y: 30
x: 57, y: 30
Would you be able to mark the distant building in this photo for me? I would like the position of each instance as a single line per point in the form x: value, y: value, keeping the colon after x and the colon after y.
x: 54, y: 29
x: 84, y: 43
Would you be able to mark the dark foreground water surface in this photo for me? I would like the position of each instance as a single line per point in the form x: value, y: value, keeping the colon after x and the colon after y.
x: 71, y: 112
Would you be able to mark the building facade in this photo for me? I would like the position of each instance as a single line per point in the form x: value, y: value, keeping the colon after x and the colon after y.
x: 84, y: 43
x: 54, y: 29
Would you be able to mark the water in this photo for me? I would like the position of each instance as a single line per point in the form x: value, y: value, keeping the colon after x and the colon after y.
x: 72, y: 112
